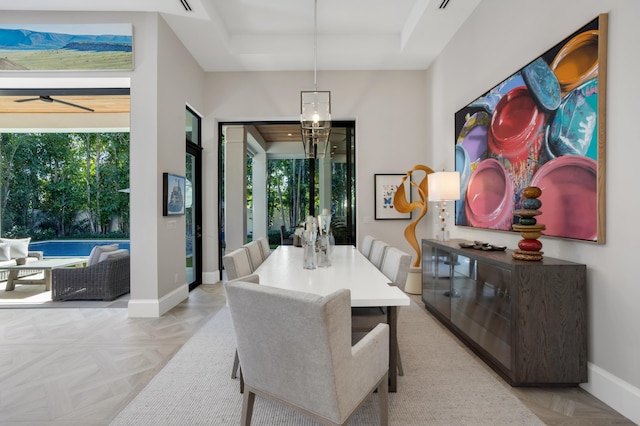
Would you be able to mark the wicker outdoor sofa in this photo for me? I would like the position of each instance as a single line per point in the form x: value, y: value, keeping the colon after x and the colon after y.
x: 106, y: 280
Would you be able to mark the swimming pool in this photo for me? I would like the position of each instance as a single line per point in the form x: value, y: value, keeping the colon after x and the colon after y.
x: 72, y: 248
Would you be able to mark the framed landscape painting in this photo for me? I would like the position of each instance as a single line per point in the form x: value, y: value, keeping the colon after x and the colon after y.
x: 542, y: 126
x: 59, y: 47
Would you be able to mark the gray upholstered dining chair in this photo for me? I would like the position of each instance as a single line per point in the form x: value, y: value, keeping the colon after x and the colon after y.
x: 395, y: 265
x: 296, y: 350
x: 376, y: 255
x: 238, y: 266
x: 237, y: 263
x: 255, y: 254
x: 366, y: 245
x: 264, y: 246
x: 255, y: 279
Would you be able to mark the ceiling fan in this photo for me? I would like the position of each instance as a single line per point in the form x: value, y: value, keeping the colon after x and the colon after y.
x: 47, y: 98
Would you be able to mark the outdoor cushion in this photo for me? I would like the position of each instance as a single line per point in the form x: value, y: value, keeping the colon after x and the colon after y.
x: 97, y: 251
x: 5, y: 251
x: 113, y: 254
x: 18, y: 247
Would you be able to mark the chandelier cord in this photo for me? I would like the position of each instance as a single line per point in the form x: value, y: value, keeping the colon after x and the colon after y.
x: 315, y: 44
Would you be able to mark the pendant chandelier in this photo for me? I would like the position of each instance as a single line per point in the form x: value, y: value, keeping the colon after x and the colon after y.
x: 315, y: 108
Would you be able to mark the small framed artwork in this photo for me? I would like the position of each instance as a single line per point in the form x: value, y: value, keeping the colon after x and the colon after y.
x: 173, y: 190
x: 385, y: 187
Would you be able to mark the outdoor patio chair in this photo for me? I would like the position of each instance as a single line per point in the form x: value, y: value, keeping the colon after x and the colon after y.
x: 284, y: 239
x: 106, y: 280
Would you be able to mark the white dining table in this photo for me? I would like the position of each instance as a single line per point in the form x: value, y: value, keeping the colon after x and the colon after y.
x: 349, y: 269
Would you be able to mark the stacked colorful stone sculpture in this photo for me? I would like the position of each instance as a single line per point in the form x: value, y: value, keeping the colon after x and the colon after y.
x: 529, y: 248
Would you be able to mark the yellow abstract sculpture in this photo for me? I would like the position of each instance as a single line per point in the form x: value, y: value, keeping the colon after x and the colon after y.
x: 401, y: 204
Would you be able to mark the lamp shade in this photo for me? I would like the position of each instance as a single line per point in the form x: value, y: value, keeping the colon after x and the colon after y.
x: 315, y: 110
x: 315, y: 122
x: 444, y: 186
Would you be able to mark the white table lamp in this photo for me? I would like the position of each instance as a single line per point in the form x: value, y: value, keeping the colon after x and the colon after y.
x: 443, y: 187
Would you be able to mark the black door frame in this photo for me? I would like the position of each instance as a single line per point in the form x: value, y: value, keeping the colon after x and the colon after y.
x: 195, y: 150
x: 351, y: 136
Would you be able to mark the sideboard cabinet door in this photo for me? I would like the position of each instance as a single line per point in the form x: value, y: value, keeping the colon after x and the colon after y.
x: 436, y: 272
x: 481, y: 306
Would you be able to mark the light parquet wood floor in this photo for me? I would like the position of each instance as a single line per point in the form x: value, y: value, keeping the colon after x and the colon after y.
x: 79, y: 366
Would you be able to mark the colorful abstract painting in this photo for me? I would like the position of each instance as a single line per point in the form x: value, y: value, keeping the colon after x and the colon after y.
x: 542, y: 126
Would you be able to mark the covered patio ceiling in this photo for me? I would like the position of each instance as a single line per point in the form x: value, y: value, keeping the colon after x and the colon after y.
x: 64, y: 101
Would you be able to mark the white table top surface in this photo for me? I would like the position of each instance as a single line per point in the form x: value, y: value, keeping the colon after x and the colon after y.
x: 349, y: 269
x: 49, y: 263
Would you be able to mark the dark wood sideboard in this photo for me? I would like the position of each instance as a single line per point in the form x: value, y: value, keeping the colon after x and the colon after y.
x: 526, y: 319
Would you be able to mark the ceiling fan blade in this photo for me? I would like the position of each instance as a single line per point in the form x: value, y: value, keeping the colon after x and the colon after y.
x: 73, y: 105
x: 50, y: 99
x: 27, y: 100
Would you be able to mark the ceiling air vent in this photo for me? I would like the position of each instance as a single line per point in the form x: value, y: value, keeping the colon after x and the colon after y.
x: 444, y: 4
x: 187, y: 7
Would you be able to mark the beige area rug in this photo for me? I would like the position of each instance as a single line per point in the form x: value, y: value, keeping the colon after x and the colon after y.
x: 34, y: 296
x: 443, y: 384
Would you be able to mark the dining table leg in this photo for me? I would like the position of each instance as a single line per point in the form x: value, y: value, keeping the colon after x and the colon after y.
x: 392, y: 320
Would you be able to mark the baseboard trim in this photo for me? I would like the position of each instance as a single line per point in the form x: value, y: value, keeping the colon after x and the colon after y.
x: 155, y: 308
x: 613, y: 391
x: 210, y: 277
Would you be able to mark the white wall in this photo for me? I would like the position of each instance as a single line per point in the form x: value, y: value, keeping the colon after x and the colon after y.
x: 388, y: 106
x: 179, y: 82
x: 498, y: 39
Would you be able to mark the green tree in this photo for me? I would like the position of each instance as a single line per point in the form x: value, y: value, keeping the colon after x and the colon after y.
x: 106, y: 172
x: 62, y: 179
x: 20, y: 179
x: 50, y: 183
x: 288, y: 191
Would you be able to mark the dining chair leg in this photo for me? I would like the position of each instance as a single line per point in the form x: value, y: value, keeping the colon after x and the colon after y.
x: 241, y: 381
x: 236, y: 363
x: 383, y: 400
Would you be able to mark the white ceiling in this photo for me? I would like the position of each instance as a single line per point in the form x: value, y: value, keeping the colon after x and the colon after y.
x: 278, y: 35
